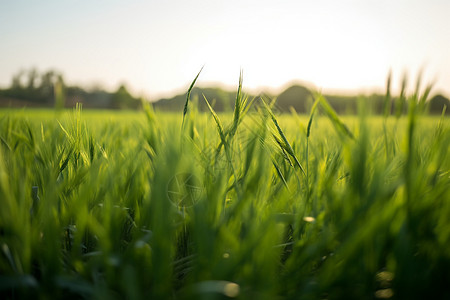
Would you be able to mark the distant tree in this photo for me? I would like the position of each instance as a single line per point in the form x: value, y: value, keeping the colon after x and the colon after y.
x: 296, y: 96
x: 17, y: 81
x: 437, y: 103
x: 48, y: 80
x: 122, y: 99
x: 59, y: 93
x: 32, y: 77
x: 34, y: 87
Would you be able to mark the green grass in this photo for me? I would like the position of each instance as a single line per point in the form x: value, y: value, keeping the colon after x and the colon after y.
x: 251, y: 205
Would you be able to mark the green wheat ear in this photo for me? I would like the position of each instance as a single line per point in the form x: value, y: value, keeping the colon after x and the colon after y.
x: 217, y: 120
x: 286, y: 146
x: 387, y: 98
x: 188, y: 97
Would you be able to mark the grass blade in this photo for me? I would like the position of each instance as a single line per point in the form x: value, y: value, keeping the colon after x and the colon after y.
x: 188, y: 97
x: 338, y: 124
x: 285, y: 143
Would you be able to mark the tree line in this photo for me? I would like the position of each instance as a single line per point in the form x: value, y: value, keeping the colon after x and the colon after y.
x: 300, y: 99
x: 48, y: 89
x: 32, y: 88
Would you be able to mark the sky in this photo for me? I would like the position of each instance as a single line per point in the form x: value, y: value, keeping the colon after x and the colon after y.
x: 157, y: 47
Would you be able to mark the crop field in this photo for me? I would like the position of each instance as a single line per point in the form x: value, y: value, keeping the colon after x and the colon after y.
x: 246, y: 205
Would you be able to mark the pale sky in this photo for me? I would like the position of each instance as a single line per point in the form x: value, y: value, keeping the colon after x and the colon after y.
x: 157, y: 47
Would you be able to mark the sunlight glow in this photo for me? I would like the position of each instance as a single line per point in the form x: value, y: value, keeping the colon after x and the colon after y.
x: 156, y: 48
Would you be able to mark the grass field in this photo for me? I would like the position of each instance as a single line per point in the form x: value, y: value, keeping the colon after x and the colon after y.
x: 249, y: 205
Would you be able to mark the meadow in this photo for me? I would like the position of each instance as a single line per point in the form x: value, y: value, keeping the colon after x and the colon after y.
x: 248, y: 205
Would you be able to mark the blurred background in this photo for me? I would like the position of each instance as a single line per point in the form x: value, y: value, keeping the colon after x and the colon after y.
x: 98, y: 50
